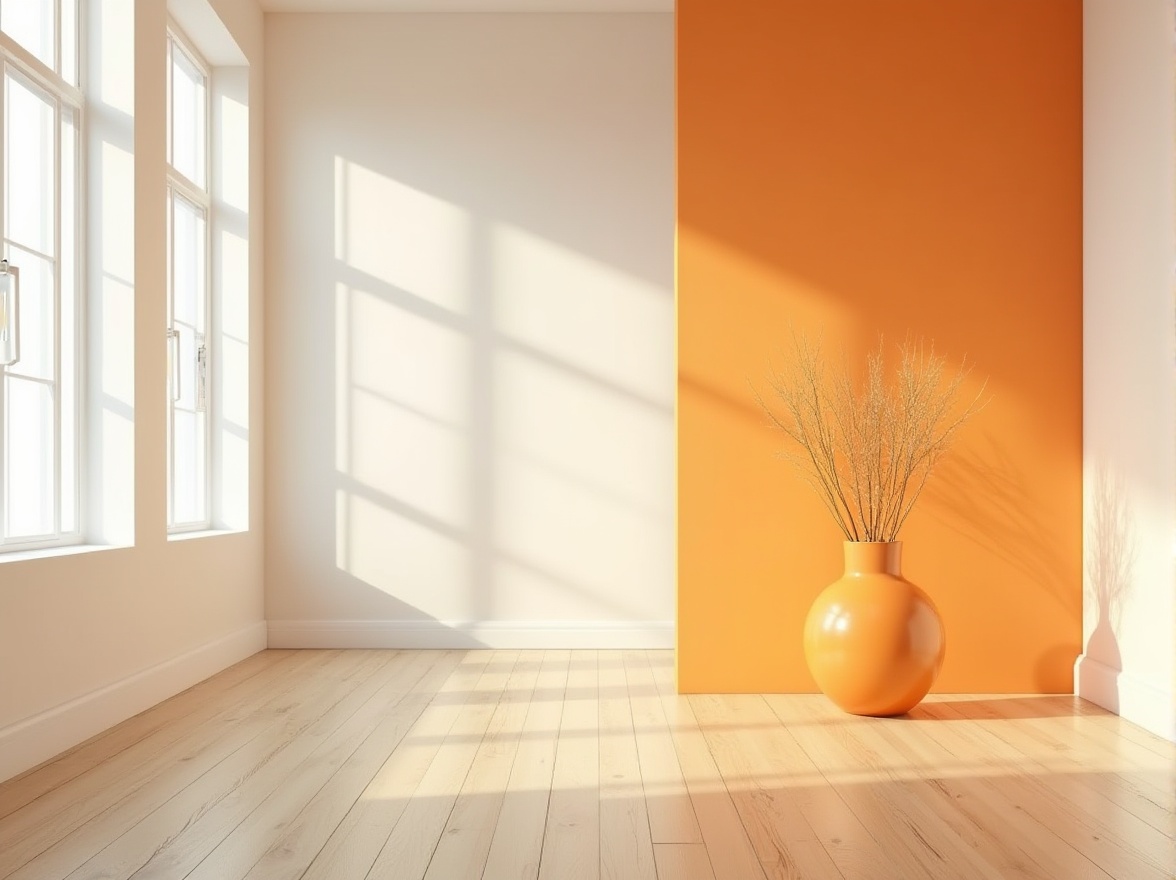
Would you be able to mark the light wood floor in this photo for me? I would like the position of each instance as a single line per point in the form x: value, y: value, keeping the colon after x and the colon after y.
x: 331, y: 765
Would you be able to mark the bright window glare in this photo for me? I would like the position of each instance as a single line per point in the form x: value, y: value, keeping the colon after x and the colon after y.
x: 188, y: 486
x: 189, y: 308
x: 189, y: 203
x: 189, y: 264
x: 39, y: 236
x: 36, y: 315
x: 29, y: 193
x: 68, y: 347
x: 188, y: 117
x: 30, y: 23
x: 69, y: 42
x: 29, y: 472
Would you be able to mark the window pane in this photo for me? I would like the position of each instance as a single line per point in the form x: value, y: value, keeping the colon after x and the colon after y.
x: 69, y: 41
x: 29, y: 466
x: 36, y: 315
x: 30, y: 23
x: 187, y: 117
x: 188, y: 487
x: 28, y: 173
x: 188, y: 265
x: 188, y: 312
x: 68, y: 305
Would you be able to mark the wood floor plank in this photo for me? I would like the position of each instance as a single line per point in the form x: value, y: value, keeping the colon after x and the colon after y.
x: 571, y: 844
x: 60, y: 810
x: 1123, y: 846
x: 1103, y: 784
x: 1129, y: 782
x: 1103, y: 719
x: 382, y: 723
x: 31, y: 833
x: 247, y: 844
x: 117, y: 842
x: 914, y: 822
x: 465, y: 842
x: 626, y: 850
x: 582, y: 765
x: 517, y: 846
x: 952, y: 783
x: 183, y: 708
x: 356, y: 843
x: 667, y: 801
x: 1058, y: 731
x: 237, y: 853
x: 682, y: 861
x: 836, y: 743
x: 783, y: 799
x: 731, y: 852
x: 410, y: 846
x: 177, y: 834
x: 181, y: 852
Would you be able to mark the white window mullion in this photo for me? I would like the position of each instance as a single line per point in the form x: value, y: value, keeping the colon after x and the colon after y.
x: 57, y: 313
x: 204, y: 375
x: 170, y: 114
x: 40, y: 255
x: 58, y: 61
x: 38, y: 72
x: 3, y: 247
x: 173, y: 348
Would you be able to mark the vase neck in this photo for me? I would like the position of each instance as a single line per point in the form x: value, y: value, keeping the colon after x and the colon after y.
x: 873, y: 557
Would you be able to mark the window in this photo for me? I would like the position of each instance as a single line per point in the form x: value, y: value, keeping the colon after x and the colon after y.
x: 188, y: 207
x: 40, y: 119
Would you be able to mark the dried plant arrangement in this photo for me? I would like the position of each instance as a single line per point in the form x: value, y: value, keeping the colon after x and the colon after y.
x: 868, y: 448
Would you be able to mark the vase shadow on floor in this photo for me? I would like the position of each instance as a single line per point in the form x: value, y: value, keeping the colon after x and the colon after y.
x: 950, y: 708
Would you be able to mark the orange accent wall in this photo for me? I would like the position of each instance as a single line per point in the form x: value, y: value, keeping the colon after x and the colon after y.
x: 867, y: 166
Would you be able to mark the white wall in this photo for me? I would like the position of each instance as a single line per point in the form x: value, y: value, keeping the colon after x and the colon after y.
x: 1130, y: 360
x: 89, y: 639
x: 471, y: 331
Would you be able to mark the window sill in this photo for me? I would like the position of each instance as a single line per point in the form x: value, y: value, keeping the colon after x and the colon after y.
x: 204, y: 533
x: 54, y: 552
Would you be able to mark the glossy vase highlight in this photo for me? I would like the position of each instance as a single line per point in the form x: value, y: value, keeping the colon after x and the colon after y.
x: 874, y: 641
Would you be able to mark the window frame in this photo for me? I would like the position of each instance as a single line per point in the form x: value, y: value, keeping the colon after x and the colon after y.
x: 67, y: 98
x: 181, y: 186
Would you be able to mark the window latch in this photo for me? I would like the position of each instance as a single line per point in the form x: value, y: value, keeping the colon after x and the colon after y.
x: 173, y: 362
x: 202, y: 378
x: 9, y: 314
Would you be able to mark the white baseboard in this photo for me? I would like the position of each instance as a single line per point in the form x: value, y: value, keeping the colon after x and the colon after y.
x: 1131, y: 699
x: 36, y: 739
x: 470, y: 634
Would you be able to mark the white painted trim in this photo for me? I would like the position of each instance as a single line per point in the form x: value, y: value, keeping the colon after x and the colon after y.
x: 36, y: 739
x: 1133, y: 700
x: 470, y: 634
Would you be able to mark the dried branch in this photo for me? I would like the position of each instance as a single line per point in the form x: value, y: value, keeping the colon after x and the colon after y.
x: 867, y: 451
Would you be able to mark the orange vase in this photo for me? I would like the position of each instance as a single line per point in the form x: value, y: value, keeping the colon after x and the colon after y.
x: 874, y: 641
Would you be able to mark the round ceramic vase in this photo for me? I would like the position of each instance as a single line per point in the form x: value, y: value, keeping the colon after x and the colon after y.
x: 874, y: 641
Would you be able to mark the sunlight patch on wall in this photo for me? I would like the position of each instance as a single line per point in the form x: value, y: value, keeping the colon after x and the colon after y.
x: 117, y: 175
x: 404, y: 455
x: 600, y: 319
x: 114, y: 60
x: 233, y: 271
x: 585, y: 478
x: 231, y: 118
x: 398, y: 553
x: 401, y: 236
x: 389, y: 353
x: 118, y: 361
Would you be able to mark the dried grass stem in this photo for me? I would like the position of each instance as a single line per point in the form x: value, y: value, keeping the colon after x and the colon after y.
x: 867, y: 451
